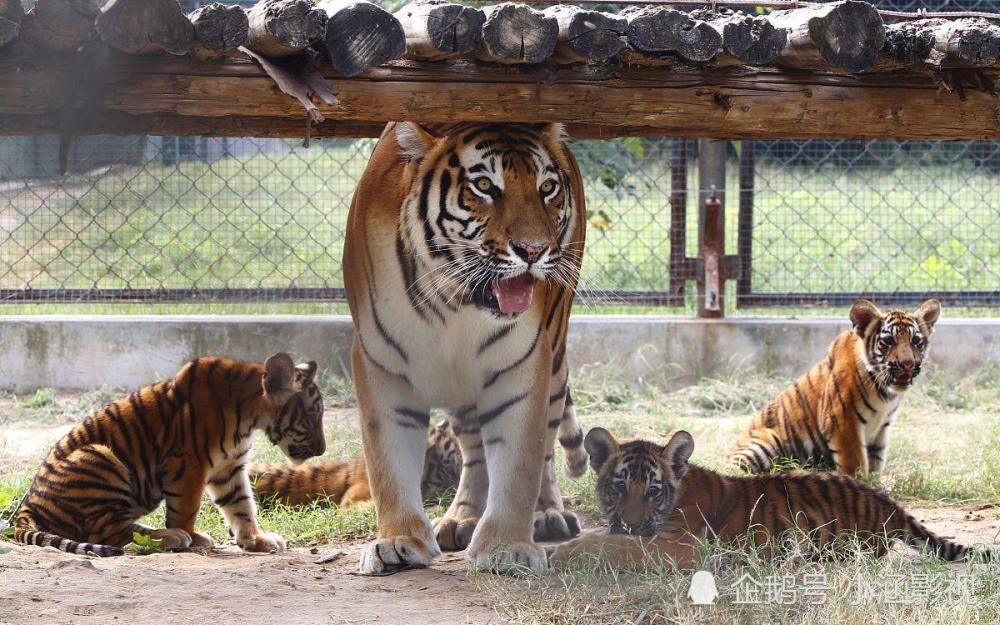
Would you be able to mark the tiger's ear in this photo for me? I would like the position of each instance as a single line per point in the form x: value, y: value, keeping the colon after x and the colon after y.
x: 677, y: 452
x: 863, y: 314
x: 557, y: 132
x: 279, y: 370
x: 414, y: 140
x: 308, y: 370
x: 929, y: 312
x: 600, y: 445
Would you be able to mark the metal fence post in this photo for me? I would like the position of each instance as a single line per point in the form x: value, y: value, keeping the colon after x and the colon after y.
x: 711, y: 226
x: 744, y: 243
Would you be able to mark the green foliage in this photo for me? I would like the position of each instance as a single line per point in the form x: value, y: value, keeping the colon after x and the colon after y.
x: 42, y: 397
x: 143, y: 545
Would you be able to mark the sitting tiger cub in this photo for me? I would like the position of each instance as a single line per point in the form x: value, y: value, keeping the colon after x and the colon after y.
x: 659, y: 505
x: 346, y: 483
x: 839, y: 413
x: 171, y: 441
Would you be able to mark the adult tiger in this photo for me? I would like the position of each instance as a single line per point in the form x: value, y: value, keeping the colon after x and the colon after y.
x: 659, y: 505
x: 839, y: 413
x: 172, y: 440
x: 462, y: 253
x: 346, y: 483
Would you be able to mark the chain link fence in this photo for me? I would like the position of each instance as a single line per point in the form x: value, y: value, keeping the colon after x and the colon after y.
x: 164, y: 224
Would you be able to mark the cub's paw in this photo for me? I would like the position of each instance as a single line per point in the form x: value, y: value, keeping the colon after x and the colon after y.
x: 262, y: 543
x: 174, y: 539
x: 201, y: 541
x: 454, y: 534
x: 512, y: 559
x: 552, y: 524
x: 389, y: 555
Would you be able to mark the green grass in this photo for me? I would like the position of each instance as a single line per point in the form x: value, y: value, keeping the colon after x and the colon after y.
x: 278, y: 219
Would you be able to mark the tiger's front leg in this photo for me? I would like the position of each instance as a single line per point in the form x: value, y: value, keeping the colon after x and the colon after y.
x: 229, y: 487
x: 394, y: 431
x: 552, y: 520
x: 455, y: 529
x: 513, y: 427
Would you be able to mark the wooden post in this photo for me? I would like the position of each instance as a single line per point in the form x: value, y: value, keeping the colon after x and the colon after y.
x: 678, y: 222
x: 360, y: 35
x: 744, y: 238
x: 284, y: 27
x: 711, y: 226
x: 436, y: 29
x: 517, y: 33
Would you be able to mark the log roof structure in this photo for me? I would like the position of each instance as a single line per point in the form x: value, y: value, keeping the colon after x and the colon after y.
x: 840, y: 69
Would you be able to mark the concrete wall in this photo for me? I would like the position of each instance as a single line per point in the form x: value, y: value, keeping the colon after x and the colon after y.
x: 132, y: 351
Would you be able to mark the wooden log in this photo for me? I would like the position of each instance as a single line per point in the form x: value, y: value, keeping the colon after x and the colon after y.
x: 517, y: 33
x: 847, y: 35
x: 760, y: 103
x: 746, y: 39
x: 284, y: 27
x: 906, y: 44
x: 145, y: 26
x: 437, y: 29
x: 658, y: 30
x: 360, y: 35
x: 586, y: 35
x: 59, y: 25
x: 964, y: 43
x: 218, y: 29
x: 11, y: 14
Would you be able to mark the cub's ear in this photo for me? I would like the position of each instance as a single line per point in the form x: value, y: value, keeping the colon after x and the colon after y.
x: 414, y: 140
x: 863, y: 314
x: 929, y: 312
x: 444, y: 425
x: 308, y: 370
x: 600, y: 445
x: 677, y: 452
x: 279, y: 370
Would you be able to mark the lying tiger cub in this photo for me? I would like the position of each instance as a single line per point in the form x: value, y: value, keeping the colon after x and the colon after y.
x: 346, y: 483
x: 172, y: 441
x: 660, y: 506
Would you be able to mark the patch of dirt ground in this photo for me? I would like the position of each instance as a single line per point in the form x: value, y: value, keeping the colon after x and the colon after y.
x: 41, y: 586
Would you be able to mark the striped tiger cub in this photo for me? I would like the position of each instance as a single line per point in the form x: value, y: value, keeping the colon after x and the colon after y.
x: 171, y: 441
x: 658, y: 504
x: 839, y: 413
x: 464, y: 244
x: 346, y: 483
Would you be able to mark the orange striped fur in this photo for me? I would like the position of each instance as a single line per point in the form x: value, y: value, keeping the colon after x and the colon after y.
x: 659, y: 505
x: 172, y: 441
x: 839, y: 412
x: 346, y: 483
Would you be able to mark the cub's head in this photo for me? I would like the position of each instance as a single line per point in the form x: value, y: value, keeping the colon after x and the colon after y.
x: 894, y: 342
x: 296, y: 425
x: 491, y: 211
x: 637, y: 481
x: 442, y: 461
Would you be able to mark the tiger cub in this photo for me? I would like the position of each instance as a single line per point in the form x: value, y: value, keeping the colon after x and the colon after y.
x: 172, y: 440
x: 839, y: 413
x: 658, y: 504
x: 346, y: 483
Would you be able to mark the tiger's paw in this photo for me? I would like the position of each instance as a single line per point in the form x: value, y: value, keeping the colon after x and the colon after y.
x: 174, y: 539
x: 454, y: 534
x: 201, y: 541
x: 512, y: 559
x: 553, y: 524
x: 262, y: 543
x: 389, y: 555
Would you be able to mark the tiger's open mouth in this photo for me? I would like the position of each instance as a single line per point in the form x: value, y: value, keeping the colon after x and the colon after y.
x: 513, y: 295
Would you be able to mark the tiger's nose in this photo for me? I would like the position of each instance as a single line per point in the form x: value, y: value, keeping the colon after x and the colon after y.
x: 906, y: 365
x: 529, y: 251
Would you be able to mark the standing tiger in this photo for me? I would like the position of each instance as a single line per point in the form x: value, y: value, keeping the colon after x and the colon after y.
x: 839, y: 412
x: 462, y: 254
x: 659, y: 505
x: 346, y: 483
x: 173, y: 440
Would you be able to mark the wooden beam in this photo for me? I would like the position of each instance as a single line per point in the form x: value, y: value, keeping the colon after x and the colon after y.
x: 727, y: 102
x: 360, y: 35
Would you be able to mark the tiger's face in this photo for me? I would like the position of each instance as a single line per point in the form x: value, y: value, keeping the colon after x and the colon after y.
x: 297, y: 423
x: 442, y: 461
x: 491, y: 210
x: 638, y: 481
x: 895, y: 342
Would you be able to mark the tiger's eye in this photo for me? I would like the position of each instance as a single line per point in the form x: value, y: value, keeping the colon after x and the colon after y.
x: 547, y: 187
x: 484, y: 184
x: 652, y: 492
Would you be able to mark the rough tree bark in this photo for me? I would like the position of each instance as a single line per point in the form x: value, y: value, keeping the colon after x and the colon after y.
x: 517, y: 33
x: 746, y: 39
x: 586, y: 35
x: 657, y: 30
x: 360, y: 35
x: 437, y: 29
x: 284, y: 27
x: 218, y: 29
x: 842, y: 35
